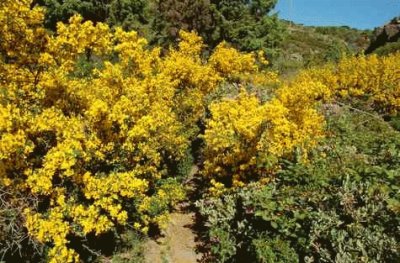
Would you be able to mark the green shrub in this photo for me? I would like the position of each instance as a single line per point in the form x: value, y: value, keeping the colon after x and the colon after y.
x: 274, y: 251
x: 388, y: 48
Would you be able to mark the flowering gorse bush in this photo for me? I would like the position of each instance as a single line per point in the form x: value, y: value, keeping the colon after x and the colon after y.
x: 372, y: 79
x: 245, y: 137
x: 95, y: 149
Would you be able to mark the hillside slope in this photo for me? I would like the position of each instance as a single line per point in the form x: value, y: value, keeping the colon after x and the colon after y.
x: 308, y: 45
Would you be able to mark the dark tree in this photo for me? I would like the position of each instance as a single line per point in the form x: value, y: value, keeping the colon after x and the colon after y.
x: 248, y: 25
x: 130, y: 14
x: 170, y: 16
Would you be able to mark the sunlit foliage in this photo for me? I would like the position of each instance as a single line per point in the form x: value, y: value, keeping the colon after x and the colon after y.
x: 95, y: 148
x: 244, y: 137
x: 371, y: 79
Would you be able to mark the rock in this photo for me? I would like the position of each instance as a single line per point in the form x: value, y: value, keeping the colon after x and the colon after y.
x: 386, y: 34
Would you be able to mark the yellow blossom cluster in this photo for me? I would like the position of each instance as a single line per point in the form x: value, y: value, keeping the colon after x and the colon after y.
x: 244, y: 137
x: 96, y: 150
x: 376, y: 80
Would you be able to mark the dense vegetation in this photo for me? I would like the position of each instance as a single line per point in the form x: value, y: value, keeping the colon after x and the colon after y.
x: 245, y: 24
x: 307, y: 46
x: 98, y: 126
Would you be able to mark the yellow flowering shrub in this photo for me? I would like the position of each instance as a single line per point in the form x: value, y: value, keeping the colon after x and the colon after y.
x: 246, y: 134
x: 376, y: 80
x: 231, y: 62
x: 96, y: 150
x: 244, y: 137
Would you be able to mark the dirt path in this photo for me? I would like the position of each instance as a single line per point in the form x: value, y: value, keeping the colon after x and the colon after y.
x: 178, y: 241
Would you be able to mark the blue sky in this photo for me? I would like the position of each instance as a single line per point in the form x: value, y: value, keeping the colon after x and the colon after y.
x: 362, y: 14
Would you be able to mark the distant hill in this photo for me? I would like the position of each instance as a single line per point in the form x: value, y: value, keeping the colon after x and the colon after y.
x: 386, y: 39
x: 309, y: 45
